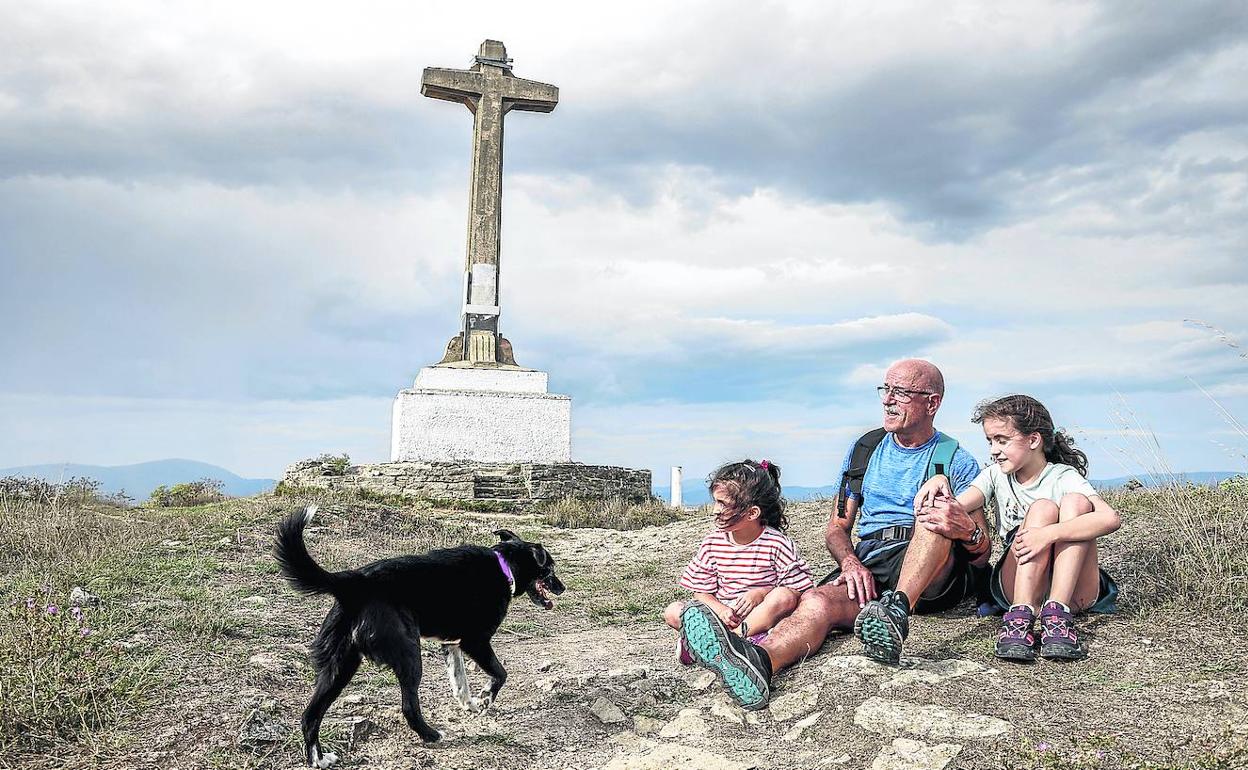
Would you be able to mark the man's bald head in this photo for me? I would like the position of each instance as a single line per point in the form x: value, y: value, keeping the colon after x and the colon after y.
x: 919, y: 374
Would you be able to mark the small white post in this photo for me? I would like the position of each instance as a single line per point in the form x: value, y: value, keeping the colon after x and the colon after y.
x: 677, y: 500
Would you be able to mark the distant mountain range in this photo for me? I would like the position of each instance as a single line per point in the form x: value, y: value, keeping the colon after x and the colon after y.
x: 695, y: 492
x: 140, y: 479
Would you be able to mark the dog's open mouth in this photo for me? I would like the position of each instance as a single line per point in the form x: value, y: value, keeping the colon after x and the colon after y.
x: 547, y: 599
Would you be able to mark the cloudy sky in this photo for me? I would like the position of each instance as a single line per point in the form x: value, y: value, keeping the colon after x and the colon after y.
x: 232, y: 232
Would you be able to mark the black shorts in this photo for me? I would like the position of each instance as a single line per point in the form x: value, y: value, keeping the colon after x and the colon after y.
x: 1106, y: 598
x: 884, y: 557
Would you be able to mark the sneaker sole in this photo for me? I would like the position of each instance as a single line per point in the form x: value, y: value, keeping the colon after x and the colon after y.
x: 1016, y: 652
x: 1062, y: 652
x: 706, y: 640
x: 881, y: 641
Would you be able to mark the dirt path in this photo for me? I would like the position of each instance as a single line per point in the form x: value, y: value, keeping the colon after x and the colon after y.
x: 593, y: 684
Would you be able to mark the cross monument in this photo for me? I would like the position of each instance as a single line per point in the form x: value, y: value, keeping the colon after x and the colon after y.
x: 489, y: 91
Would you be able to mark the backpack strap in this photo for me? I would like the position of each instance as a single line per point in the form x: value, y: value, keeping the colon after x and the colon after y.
x: 851, y: 481
x: 942, y: 457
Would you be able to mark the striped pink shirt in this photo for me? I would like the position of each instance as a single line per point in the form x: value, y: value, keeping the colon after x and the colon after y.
x: 726, y: 570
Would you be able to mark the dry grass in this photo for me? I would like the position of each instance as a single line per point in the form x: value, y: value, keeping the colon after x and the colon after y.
x: 614, y: 513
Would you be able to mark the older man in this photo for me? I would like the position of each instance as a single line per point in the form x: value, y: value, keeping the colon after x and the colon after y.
x: 924, y: 562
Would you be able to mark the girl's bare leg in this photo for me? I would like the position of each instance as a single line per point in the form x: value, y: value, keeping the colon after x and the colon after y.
x: 1027, y: 583
x: 1076, y: 577
x: 778, y: 603
x: 671, y: 615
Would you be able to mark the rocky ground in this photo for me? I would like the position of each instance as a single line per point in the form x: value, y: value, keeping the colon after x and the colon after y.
x: 594, y: 684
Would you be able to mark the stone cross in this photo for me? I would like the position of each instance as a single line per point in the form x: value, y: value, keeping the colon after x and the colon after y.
x: 490, y: 91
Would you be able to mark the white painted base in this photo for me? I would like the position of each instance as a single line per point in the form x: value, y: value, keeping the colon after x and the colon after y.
x: 469, y: 414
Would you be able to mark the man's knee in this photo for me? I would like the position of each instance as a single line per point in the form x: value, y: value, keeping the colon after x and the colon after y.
x: 817, y: 602
x: 1074, y: 504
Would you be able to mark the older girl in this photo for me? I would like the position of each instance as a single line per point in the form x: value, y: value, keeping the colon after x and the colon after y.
x: 1050, y: 518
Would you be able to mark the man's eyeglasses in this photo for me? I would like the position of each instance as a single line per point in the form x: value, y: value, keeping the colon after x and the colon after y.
x: 901, y: 395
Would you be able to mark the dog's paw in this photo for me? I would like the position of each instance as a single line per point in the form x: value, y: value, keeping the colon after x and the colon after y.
x: 481, y: 702
x: 434, y: 736
x: 328, y: 759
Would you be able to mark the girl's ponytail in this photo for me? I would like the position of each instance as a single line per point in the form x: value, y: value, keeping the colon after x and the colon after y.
x: 1063, y: 451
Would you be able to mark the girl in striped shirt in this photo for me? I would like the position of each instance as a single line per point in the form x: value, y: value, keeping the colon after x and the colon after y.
x: 746, y: 570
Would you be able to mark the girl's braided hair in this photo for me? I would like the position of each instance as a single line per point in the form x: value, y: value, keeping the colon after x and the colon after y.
x: 1029, y: 416
x: 753, y: 483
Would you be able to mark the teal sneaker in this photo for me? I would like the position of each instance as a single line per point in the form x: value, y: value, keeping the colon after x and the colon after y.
x: 743, y: 668
x: 882, y: 626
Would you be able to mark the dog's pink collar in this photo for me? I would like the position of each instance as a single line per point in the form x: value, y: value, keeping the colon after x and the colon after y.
x: 511, y: 579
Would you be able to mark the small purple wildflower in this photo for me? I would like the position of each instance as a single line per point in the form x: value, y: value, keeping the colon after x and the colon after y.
x: 76, y: 612
x: 87, y: 632
x: 1042, y: 746
x: 52, y: 609
x: 30, y: 603
x: 1100, y: 754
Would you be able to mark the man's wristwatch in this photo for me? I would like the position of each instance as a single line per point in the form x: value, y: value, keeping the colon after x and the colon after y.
x: 976, y: 536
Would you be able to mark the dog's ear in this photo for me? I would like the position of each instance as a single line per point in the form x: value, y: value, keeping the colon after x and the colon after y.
x: 506, y: 534
x: 539, y: 553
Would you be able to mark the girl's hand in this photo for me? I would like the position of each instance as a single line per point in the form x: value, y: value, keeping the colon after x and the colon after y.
x: 935, y: 488
x: 1030, y: 543
x: 726, y: 614
x: 747, y: 601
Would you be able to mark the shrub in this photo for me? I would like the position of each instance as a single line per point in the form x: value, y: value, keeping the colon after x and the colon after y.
x: 335, y: 465
x: 613, y: 513
x: 192, y: 493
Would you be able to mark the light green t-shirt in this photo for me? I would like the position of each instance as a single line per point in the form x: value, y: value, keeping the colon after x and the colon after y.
x: 1013, y: 499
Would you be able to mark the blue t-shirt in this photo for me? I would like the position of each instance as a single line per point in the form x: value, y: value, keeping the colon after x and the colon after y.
x: 894, y: 476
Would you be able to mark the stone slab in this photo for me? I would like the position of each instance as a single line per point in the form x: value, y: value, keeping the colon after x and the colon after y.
x: 481, y: 426
x: 503, y: 379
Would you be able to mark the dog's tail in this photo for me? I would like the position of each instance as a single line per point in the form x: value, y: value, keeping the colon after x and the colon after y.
x: 296, y: 563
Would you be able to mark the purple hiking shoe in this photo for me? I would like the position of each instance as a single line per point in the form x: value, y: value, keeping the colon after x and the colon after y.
x: 1017, y: 640
x: 1058, y: 638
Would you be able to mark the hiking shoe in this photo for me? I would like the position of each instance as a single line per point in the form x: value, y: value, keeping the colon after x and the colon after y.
x: 882, y: 626
x: 1058, y: 639
x: 682, y: 652
x: 1017, y: 640
x: 744, y: 668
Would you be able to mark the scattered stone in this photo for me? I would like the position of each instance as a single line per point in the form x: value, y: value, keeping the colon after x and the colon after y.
x: 725, y: 709
x: 862, y: 665
x: 256, y: 600
x: 794, y: 704
x: 562, y: 683
x: 172, y: 544
x: 841, y: 760
x: 354, y: 699
x: 755, y: 717
x: 700, y: 680
x: 890, y: 717
x: 689, y: 722
x: 225, y: 541
x: 545, y: 666
x: 607, y: 712
x: 627, y: 675
x: 261, y: 729
x: 666, y: 756
x: 800, y: 726
x: 357, y: 729
x: 906, y: 754
x: 933, y: 672
x: 80, y: 597
x: 644, y: 725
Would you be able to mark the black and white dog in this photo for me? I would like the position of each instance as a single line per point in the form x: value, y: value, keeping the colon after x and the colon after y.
x: 458, y: 596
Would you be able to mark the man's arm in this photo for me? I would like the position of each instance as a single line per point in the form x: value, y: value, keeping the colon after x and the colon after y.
x: 858, y: 580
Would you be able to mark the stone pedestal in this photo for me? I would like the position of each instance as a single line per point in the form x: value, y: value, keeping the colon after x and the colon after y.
x: 499, y: 414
